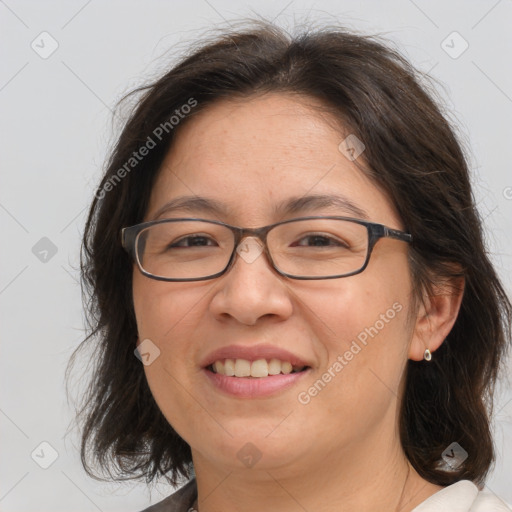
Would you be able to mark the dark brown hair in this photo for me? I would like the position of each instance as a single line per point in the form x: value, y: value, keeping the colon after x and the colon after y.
x: 414, y: 156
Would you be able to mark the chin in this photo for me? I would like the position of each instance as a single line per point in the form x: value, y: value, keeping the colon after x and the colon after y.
x: 250, y: 447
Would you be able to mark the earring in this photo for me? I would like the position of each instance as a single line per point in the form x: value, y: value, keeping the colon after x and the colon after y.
x: 427, y: 355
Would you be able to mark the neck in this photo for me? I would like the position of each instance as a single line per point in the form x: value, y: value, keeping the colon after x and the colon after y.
x: 370, y: 483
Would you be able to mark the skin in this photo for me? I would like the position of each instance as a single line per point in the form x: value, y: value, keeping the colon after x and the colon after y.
x: 341, y: 451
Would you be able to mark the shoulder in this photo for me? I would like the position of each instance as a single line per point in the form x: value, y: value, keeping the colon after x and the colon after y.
x: 463, y: 496
x: 180, y: 501
x: 487, y: 502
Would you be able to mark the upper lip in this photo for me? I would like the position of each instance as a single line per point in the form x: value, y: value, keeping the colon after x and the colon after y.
x: 252, y: 353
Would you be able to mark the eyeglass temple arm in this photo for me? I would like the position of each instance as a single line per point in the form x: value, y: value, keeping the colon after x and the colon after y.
x: 127, y: 239
x: 396, y: 233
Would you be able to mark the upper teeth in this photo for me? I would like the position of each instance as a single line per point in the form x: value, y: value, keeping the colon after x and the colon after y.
x: 258, y: 368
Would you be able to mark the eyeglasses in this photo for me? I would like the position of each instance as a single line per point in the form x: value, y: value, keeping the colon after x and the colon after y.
x: 316, y: 247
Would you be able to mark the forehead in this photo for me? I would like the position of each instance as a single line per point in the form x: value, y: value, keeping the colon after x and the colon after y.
x: 254, y: 153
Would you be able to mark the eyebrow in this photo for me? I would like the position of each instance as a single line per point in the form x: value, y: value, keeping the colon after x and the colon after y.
x: 294, y: 205
x: 318, y: 201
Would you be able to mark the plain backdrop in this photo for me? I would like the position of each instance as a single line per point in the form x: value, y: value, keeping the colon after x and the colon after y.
x: 64, y: 65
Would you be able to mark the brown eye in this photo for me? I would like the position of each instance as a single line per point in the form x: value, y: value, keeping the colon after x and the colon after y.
x: 193, y: 241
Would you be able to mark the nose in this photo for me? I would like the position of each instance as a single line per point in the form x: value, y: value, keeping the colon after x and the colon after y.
x: 251, y: 289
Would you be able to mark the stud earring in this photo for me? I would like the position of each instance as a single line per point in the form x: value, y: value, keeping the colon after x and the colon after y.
x: 427, y: 355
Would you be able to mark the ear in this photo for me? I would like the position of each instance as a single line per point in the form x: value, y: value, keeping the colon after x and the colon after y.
x: 435, y: 317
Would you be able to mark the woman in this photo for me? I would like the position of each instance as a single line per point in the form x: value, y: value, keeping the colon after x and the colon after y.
x: 286, y: 239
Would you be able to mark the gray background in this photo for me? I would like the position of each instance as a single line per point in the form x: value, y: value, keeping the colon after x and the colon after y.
x: 56, y: 126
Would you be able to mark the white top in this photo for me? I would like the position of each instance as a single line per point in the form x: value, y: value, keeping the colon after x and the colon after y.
x: 463, y: 496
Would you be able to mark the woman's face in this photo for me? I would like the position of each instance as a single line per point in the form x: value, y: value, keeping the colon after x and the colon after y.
x: 351, y: 333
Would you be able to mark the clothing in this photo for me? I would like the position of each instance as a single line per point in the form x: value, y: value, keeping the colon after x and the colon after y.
x: 462, y: 496
x: 180, y: 501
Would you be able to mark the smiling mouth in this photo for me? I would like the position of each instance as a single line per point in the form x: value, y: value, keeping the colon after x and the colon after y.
x: 259, y: 368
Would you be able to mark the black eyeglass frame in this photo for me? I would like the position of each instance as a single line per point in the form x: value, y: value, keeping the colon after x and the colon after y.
x: 375, y: 233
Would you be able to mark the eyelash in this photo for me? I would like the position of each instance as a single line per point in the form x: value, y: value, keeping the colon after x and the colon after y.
x: 309, y: 236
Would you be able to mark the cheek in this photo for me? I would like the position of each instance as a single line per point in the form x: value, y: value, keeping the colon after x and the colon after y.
x: 365, y: 358
x: 362, y: 325
x: 360, y: 307
x: 169, y: 314
x: 163, y: 308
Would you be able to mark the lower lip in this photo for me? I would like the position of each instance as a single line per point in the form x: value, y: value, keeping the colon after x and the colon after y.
x: 254, y: 387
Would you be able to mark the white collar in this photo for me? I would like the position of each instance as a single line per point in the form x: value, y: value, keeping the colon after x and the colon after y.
x: 457, y: 497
